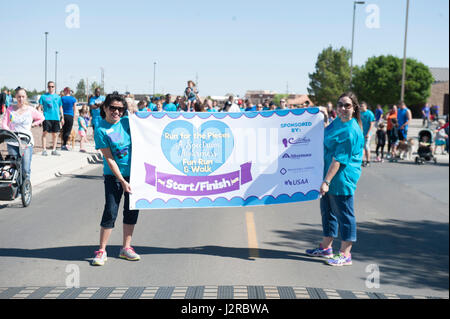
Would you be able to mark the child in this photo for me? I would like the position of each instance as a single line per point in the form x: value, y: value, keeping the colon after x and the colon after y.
x: 190, y: 94
x: 113, y: 139
x: 82, y: 128
x: 441, y: 138
x: 142, y: 106
x: 381, y: 141
x: 393, y: 138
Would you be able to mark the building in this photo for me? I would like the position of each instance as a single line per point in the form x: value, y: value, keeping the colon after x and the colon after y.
x: 439, y: 89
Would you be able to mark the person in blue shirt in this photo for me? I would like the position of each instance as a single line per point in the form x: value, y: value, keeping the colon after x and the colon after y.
x: 378, y: 115
x: 113, y: 139
x: 68, y: 103
x: 94, y: 104
x: 53, y: 112
x: 368, y: 122
x: 248, y: 106
x: 168, y: 106
x: 404, y: 116
x: 9, y: 98
x: 426, y: 115
x: 343, y: 154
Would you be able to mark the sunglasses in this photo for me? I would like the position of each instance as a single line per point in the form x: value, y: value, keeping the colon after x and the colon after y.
x: 116, y: 108
x: 346, y: 105
x: 51, y: 86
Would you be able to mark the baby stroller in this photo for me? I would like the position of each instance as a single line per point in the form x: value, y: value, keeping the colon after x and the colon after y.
x: 12, y: 180
x: 425, y: 151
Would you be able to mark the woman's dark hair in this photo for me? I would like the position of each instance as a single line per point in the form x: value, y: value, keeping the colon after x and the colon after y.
x: 356, y: 105
x: 111, y: 98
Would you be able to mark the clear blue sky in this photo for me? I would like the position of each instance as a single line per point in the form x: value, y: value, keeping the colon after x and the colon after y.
x: 232, y: 46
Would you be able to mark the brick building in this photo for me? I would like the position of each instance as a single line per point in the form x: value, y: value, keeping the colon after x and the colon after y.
x: 439, y: 89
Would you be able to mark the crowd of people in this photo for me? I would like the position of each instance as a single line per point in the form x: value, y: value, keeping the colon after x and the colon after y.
x: 60, y: 110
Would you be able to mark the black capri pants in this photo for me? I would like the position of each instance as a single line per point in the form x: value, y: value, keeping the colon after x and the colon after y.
x: 113, y: 195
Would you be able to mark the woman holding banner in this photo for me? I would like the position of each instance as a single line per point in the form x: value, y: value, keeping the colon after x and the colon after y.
x: 113, y: 138
x: 343, y: 154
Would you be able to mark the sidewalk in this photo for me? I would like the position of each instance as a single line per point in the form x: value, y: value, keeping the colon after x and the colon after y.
x: 44, y: 168
x: 413, y: 131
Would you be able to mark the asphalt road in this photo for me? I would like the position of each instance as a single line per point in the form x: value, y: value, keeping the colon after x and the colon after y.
x: 403, y: 229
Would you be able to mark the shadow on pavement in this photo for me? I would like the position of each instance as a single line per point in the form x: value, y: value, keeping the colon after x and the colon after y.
x: 409, y: 253
x: 86, y: 253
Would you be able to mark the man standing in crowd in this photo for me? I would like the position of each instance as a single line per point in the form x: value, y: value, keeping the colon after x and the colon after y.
x: 378, y: 115
x: 368, y: 122
x: 53, y: 112
x: 426, y: 115
x: 231, y: 106
x: 94, y: 106
x: 168, y: 106
x: 403, y: 118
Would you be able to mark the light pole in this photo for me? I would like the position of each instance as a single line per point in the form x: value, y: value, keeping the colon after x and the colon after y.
x: 45, y: 85
x: 56, y: 70
x: 154, y: 76
x: 402, y: 94
x: 102, y: 79
x: 353, y: 38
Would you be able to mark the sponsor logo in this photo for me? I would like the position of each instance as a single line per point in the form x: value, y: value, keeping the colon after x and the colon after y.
x: 283, y: 171
x: 295, y: 141
x: 295, y: 156
x: 294, y: 182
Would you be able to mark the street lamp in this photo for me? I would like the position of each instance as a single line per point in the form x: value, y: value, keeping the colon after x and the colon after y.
x: 45, y: 85
x: 353, y: 37
x: 56, y: 70
x: 402, y: 94
x: 102, y: 77
x: 154, y: 75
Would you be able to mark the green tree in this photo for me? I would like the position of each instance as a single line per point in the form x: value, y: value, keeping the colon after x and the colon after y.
x: 378, y: 81
x: 331, y: 77
x: 277, y: 98
x: 94, y: 85
x: 80, y: 93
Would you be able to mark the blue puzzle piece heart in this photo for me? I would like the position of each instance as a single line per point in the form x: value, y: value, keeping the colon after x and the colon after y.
x: 197, y: 152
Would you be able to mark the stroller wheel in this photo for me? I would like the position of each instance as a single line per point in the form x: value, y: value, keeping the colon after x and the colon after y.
x: 26, y: 192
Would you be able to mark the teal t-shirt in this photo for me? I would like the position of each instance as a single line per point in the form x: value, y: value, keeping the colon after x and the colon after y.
x: 344, y: 142
x: 169, y: 107
x: 80, y: 127
x: 366, y: 118
x: 51, y: 104
x: 117, y: 138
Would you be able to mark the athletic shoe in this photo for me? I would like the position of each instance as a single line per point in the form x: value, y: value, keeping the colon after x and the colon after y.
x: 340, y: 260
x: 100, y: 258
x: 64, y: 148
x: 129, y: 254
x: 44, y: 153
x: 55, y: 152
x: 320, y: 252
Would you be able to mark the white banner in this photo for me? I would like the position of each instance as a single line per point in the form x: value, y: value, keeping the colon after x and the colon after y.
x: 183, y: 160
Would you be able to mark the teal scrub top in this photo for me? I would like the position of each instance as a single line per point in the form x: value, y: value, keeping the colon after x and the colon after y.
x: 116, y: 137
x: 344, y: 142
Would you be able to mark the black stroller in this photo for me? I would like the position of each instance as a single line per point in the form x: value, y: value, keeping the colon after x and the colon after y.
x: 12, y: 180
x: 425, y: 151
